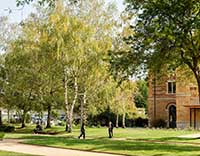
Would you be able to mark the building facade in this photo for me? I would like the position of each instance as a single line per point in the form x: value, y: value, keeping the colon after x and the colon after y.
x: 174, y: 101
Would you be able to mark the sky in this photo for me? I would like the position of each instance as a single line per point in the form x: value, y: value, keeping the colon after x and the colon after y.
x: 18, y: 14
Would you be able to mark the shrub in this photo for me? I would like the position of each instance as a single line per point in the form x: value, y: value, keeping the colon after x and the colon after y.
x: 1, y: 136
x: 140, y: 122
x: 7, y: 128
x: 160, y: 123
x: 98, y: 126
x: 61, y: 123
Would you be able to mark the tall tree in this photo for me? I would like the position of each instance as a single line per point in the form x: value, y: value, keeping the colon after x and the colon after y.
x: 166, y: 35
x: 22, y: 78
x: 50, y: 70
x: 123, y: 101
x: 79, y: 42
x: 89, y: 45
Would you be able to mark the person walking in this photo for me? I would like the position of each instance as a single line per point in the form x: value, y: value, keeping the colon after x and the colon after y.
x: 82, y: 131
x: 110, y: 129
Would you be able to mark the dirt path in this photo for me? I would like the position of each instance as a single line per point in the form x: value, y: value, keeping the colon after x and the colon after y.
x: 15, y: 146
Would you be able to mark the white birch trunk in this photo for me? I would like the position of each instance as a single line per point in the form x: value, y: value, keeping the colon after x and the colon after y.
x: 73, y: 104
x: 117, y: 121
x: 124, y: 121
x: 66, y: 99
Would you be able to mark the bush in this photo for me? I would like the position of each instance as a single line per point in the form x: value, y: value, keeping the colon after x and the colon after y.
x: 15, y: 121
x: 140, y: 122
x: 98, y: 126
x: 7, y: 128
x: 160, y: 123
x: 61, y: 123
x: 1, y: 136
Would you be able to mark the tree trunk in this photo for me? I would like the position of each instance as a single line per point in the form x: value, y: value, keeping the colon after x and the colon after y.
x: 194, y: 66
x: 23, y: 119
x: 198, y: 83
x: 66, y: 99
x: 49, y: 116
x: 124, y: 121
x: 117, y: 121
x: 8, y: 113
x: 69, y: 111
x: 1, y: 122
x: 73, y: 104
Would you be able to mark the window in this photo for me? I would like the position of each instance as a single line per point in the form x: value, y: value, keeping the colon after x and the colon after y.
x: 171, y: 87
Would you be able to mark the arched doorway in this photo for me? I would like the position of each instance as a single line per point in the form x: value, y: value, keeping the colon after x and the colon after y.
x: 172, y: 116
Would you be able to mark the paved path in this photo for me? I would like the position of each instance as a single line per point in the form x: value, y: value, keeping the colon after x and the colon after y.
x: 190, y: 136
x: 15, y: 146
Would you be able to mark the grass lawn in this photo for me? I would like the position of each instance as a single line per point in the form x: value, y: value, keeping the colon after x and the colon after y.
x: 5, y: 153
x: 130, y: 141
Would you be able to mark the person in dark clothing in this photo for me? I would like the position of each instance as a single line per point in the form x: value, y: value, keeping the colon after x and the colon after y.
x: 110, y: 129
x: 82, y: 131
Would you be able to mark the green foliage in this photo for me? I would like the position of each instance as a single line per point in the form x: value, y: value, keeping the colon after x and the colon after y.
x: 7, y: 128
x: 122, y: 100
x: 141, y: 122
x: 164, y: 30
x: 140, y: 97
x: 64, y: 43
x: 28, y: 118
x: 165, y: 35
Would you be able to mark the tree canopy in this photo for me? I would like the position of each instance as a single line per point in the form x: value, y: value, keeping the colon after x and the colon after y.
x: 165, y: 35
x: 51, y: 3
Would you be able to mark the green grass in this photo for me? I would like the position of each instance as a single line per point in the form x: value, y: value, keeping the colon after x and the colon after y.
x: 5, y: 153
x: 1, y: 135
x: 130, y: 141
x: 120, y: 147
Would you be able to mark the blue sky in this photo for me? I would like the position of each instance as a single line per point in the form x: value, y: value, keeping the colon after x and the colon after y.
x: 17, y: 15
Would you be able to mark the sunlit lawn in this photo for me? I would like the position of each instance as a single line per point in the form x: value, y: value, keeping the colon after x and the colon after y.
x: 130, y: 141
x: 5, y: 153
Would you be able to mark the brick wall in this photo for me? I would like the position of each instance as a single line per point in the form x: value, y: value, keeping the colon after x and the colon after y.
x: 159, y: 101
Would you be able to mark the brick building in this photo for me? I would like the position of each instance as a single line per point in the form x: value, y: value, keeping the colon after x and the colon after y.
x: 175, y: 101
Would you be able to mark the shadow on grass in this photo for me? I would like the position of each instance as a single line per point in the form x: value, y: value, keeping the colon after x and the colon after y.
x: 165, y: 139
x: 115, y: 146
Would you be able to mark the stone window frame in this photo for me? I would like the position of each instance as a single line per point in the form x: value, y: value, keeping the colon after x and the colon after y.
x: 170, y: 81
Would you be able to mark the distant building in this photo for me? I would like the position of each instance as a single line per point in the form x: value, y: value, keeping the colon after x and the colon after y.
x: 174, y: 101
